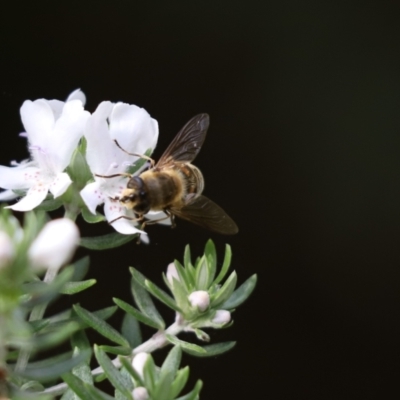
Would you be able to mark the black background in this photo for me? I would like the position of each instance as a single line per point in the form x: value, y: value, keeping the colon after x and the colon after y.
x: 303, y: 152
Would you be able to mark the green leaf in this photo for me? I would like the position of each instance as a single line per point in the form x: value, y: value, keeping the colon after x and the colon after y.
x: 79, y: 340
x: 225, y: 292
x: 81, y: 268
x: 53, y: 371
x: 187, y: 258
x: 49, y: 204
x: 91, y: 218
x: 76, y: 287
x: 167, y: 373
x: 118, y: 350
x: 38, y: 325
x: 241, y: 294
x: 137, y: 314
x: 150, y: 374
x: 212, y: 350
x: 48, y: 362
x: 101, y: 326
x: 106, y: 313
x: 128, y: 366
x: 118, y: 380
x: 202, y: 274
x: 109, y: 241
x: 194, y: 394
x: 211, y: 254
x: 76, y: 385
x: 131, y: 330
x: 56, y: 337
x: 180, y: 381
x: 185, y: 345
x: 139, y: 163
x: 154, y: 290
x: 146, y: 305
x: 225, y: 265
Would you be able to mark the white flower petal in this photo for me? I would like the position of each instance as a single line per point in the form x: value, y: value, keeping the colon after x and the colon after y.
x: 60, y: 184
x: 140, y: 393
x: 35, y: 195
x: 92, y: 196
x: 38, y: 120
x: 200, y: 299
x: 158, y: 215
x: 133, y: 128
x: 221, y: 317
x: 172, y: 273
x: 20, y: 177
x: 139, y: 361
x: 55, y: 244
x: 57, y: 107
x: 77, y: 95
x: 7, y: 195
x: 112, y: 210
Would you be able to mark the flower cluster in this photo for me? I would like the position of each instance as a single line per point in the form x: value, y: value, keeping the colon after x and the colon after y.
x: 69, y: 147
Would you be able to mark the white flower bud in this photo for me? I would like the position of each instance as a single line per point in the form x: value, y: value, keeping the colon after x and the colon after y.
x: 6, y: 249
x: 221, y: 317
x: 200, y: 299
x: 172, y: 273
x: 54, y: 245
x: 139, y: 361
x: 140, y: 393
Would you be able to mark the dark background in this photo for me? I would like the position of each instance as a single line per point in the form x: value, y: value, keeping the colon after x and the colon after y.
x: 303, y: 151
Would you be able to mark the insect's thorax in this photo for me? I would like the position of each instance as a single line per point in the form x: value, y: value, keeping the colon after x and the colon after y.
x: 169, y: 186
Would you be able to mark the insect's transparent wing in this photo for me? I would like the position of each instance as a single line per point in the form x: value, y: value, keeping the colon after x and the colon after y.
x: 204, y: 212
x: 187, y: 143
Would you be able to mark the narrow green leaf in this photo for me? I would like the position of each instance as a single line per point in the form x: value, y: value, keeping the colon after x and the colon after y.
x: 54, y: 370
x: 76, y: 287
x: 128, y: 366
x: 136, y: 313
x: 109, y: 241
x: 167, y: 373
x: 194, y: 394
x: 139, y: 163
x: 187, y: 258
x: 100, y: 326
x: 225, y: 266
x: 153, y: 289
x: 212, y: 350
x: 145, y: 304
x: 53, y: 338
x: 38, y: 325
x: 185, y: 345
x: 81, y: 341
x: 225, y: 292
x: 202, y: 274
x: 82, y: 370
x: 91, y: 218
x: 131, y: 330
x: 77, y: 386
x: 118, y: 380
x: 49, y: 204
x: 49, y: 361
x: 241, y: 294
x: 180, y: 381
x: 106, y: 312
x: 150, y: 374
x: 118, y: 350
x: 211, y: 254
x: 81, y: 268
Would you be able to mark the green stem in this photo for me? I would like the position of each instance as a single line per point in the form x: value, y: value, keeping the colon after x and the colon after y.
x: 157, y: 341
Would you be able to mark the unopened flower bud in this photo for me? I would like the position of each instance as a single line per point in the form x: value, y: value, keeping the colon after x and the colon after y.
x: 140, y: 393
x: 6, y: 249
x: 54, y: 245
x: 139, y: 361
x: 172, y: 273
x: 200, y: 299
x: 221, y: 317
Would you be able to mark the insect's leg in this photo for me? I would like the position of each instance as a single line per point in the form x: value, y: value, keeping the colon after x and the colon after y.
x: 152, y: 162
x: 154, y: 221
x: 140, y: 218
x: 113, y: 176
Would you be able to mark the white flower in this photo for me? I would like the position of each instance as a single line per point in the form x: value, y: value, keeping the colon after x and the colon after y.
x: 53, y: 129
x: 54, y: 245
x: 139, y: 361
x: 200, y: 299
x: 136, y: 132
x: 140, y: 393
x: 221, y: 317
x: 6, y: 249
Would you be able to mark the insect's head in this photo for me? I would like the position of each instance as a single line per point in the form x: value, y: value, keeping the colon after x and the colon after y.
x: 135, y: 196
